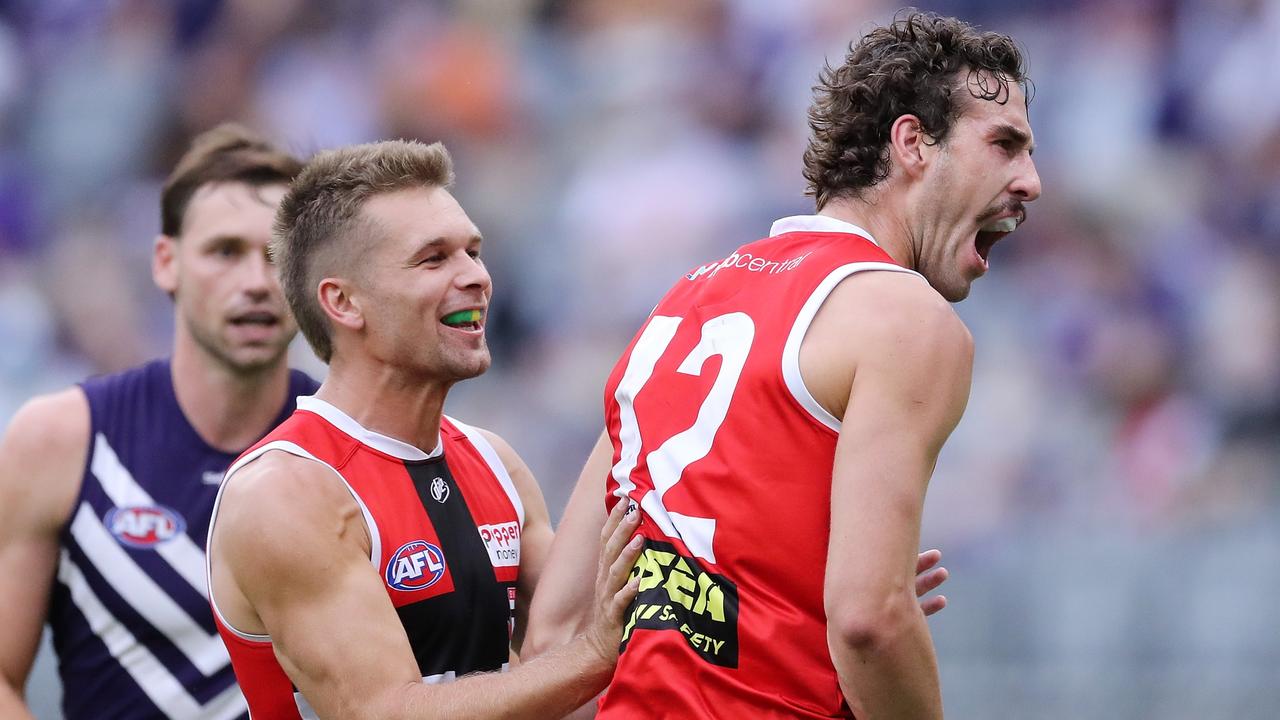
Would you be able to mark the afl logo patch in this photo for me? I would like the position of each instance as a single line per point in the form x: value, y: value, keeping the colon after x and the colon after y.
x: 415, y: 566
x: 145, y: 526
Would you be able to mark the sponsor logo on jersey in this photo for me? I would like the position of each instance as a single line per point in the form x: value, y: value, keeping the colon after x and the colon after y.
x: 144, y: 526
x: 503, y: 543
x: 211, y: 477
x: 748, y: 262
x: 414, y: 566
x: 677, y: 595
x: 440, y: 490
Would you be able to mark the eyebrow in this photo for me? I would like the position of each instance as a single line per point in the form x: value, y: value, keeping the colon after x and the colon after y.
x: 223, y: 238
x: 434, y: 243
x: 1017, y: 136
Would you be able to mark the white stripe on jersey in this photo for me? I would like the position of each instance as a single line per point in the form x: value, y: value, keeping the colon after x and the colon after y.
x: 495, y: 464
x: 158, y: 683
x: 791, y: 351
x: 181, y: 551
x: 644, y: 356
x: 148, y: 599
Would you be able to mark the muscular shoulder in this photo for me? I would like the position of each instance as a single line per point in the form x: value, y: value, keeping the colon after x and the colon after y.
x: 284, y: 502
x: 905, y: 312
x: 43, y: 455
x: 891, y: 321
x: 897, y: 304
x: 57, y: 422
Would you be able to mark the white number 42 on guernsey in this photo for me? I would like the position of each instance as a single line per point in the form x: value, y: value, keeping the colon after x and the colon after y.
x: 729, y: 336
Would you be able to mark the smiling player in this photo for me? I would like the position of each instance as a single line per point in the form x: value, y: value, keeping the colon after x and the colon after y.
x: 371, y: 550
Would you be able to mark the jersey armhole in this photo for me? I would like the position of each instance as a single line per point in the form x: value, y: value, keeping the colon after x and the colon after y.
x: 90, y: 441
x: 791, y: 351
x: 375, y: 540
x: 490, y: 456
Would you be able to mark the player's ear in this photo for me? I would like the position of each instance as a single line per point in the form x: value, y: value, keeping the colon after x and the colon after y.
x: 164, y: 263
x: 910, y: 148
x: 339, y: 304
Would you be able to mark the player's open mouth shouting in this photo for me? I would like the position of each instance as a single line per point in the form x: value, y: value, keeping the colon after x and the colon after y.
x: 995, y: 227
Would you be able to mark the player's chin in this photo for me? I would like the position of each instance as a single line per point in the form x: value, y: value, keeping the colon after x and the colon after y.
x: 472, y: 364
x: 257, y: 356
x: 954, y: 289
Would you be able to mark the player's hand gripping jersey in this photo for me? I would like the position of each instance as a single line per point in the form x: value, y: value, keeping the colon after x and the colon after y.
x: 730, y: 458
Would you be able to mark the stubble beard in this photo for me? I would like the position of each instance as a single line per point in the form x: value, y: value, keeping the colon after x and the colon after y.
x: 946, y: 277
x: 468, y: 365
x: 955, y: 287
x: 224, y: 356
x: 440, y: 364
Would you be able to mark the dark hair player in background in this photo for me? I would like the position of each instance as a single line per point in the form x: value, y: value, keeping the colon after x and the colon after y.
x: 106, y: 488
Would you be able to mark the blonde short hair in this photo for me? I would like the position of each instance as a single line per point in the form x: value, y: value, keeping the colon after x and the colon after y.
x: 319, y: 222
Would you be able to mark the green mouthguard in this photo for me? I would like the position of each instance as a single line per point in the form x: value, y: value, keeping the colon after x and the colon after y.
x: 462, y: 316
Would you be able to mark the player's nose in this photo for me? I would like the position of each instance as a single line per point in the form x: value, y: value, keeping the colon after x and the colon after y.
x: 474, y: 275
x: 258, y: 276
x: 1026, y: 184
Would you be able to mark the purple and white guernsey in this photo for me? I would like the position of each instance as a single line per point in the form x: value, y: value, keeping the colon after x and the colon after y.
x: 131, y: 622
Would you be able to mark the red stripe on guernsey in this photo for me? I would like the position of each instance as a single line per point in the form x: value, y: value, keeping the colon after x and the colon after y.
x: 394, y: 510
x: 733, y: 472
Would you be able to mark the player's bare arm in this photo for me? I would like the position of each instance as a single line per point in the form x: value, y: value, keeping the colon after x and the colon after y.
x: 41, y: 460
x: 907, y: 359
x: 560, y: 607
x: 564, y: 593
x: 301, y: 573
x: 535, y: 534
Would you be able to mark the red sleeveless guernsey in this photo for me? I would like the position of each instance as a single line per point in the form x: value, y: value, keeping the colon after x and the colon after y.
x: 729, y: 456
x: 445, y: 528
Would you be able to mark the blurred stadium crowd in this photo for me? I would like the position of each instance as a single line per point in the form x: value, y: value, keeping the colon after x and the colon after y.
x: 1110, y: 505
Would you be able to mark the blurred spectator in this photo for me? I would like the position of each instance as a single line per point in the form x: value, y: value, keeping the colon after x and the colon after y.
x: 1111, y: 502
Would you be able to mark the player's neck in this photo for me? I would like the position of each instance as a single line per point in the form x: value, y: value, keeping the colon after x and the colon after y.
x: 387, y: 402
x: 881, y: 218
x: 229, y: 410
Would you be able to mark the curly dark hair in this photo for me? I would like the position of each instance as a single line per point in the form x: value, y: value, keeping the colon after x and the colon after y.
x: 910, y: 67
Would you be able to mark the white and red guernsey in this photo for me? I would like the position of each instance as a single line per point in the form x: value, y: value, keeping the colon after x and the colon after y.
x: 730, y: 458
x: 445, y: 528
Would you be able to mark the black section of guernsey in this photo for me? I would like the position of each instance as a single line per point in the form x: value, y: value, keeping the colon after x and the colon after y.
x: 466, y: 630
x: 678, y: 595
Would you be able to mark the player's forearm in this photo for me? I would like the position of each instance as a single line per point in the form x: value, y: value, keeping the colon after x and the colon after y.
x: 887, y: 668
x: 560, y: 607
x: 551, y: 686
x: 546, y: 631
x: 586, y: 712
x: 19, y: 641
